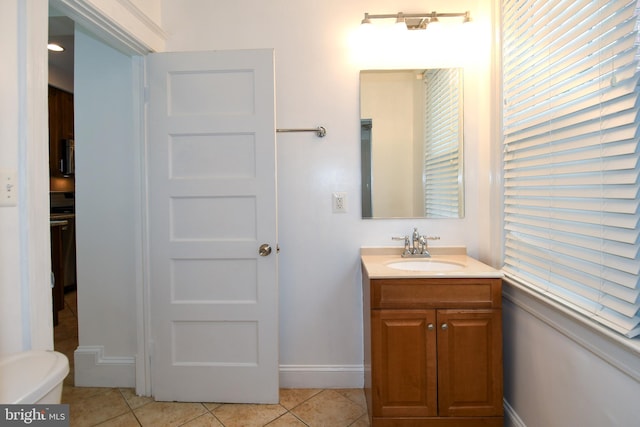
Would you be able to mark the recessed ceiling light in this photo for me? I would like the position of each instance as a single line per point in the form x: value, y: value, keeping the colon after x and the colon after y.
x: 55, y: 47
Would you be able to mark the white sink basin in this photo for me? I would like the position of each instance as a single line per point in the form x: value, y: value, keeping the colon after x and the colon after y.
x: 425, y: 265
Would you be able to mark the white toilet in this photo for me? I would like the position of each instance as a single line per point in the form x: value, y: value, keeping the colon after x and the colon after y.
x: 34, y: 376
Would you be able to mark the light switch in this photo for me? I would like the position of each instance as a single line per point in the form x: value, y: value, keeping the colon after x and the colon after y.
x: 8, y: 187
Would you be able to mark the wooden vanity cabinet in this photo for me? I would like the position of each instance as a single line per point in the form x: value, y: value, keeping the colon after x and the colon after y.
x: 433, y: 352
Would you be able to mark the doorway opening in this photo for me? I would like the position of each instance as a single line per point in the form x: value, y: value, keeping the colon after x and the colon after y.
x: 62, y: 187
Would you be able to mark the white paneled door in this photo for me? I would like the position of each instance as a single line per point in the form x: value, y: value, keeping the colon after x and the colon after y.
x: 212, y: 226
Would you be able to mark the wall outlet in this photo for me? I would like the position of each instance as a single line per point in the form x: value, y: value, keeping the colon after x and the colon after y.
x: 8, y: 188
x: 339, y: 202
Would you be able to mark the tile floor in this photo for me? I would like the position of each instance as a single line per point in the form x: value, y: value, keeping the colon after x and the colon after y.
x: 112, y: 407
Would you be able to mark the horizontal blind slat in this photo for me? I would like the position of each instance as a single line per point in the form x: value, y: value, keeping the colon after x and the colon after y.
x: 573, y: 47
x: 441, y: 169
x: 571, y: 172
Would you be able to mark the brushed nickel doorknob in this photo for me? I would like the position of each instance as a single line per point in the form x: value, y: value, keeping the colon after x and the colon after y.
x: 265, y: 249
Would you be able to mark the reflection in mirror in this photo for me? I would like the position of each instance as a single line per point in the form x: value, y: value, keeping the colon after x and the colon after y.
x: 412, y: 143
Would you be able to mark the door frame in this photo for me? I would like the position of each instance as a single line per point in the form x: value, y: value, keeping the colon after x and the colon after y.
x: 33, y: 235
x: 109, y: 31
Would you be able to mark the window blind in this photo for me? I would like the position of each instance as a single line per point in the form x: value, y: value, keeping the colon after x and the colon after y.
x: 442, y: 143
x: 571, y: 131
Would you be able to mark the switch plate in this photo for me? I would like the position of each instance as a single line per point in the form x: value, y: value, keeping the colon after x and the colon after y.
x: 339, y: 202
x: 8, y: 188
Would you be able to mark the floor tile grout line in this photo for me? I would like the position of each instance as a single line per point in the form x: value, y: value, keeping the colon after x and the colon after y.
x: 298, y: 418
x: 305, y: 400
x: 133, y: 413
x: 214, y: 415
x: 288, y: 412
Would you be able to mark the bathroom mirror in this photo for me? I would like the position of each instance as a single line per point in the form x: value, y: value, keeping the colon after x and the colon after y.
x: 412, y: 143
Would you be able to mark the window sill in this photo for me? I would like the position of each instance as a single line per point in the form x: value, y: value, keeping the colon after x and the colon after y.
x: 621, y: 352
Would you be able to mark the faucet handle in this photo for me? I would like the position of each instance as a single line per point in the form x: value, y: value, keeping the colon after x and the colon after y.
x: 431, y: 237
x: 404, y: 238
x: 407, y: 244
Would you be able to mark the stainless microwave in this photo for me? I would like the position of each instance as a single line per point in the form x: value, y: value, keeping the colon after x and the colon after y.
x: 67, y: 157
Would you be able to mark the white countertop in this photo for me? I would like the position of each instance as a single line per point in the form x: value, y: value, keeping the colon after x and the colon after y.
x: 375, y: 260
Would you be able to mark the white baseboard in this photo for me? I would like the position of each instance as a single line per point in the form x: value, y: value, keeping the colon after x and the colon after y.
x: 321, y: 376
x: 93, y: 369
x: 511, y: 419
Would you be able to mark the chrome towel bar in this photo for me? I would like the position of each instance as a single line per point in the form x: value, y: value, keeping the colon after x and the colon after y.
x: 320, y: 131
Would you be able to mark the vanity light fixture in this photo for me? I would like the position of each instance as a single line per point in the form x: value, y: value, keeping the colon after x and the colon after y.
x: 417, y: 21
x: 401, y: 23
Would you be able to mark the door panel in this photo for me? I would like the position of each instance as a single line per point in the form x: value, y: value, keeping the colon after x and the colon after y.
x: 470, y: 363
x: 403, y: 350
x: 212, y: 199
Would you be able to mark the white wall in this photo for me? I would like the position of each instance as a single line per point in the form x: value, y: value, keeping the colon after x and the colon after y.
x: 317, y: 84
x: 107, y: 183
x: 561, y: 372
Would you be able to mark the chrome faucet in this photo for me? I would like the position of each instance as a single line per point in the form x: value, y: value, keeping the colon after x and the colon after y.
x: 416, y: 245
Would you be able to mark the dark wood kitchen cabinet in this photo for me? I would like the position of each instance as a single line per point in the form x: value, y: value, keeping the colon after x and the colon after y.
x: 60, y: 126
x: 433, y: 352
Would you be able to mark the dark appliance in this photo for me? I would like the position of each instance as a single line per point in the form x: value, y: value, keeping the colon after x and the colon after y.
x: 63, y: 247
x: 67, y: 157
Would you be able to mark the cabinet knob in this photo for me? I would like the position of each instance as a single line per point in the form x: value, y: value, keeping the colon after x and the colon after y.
x: 430, y: 327
x: 444, y: 326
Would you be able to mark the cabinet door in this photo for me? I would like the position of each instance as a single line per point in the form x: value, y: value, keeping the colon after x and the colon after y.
x: 60, y: 125
x: 469, y: 362
x: 403, y: 347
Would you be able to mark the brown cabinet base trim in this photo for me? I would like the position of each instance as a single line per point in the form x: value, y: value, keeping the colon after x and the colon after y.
x: 438, y: 422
